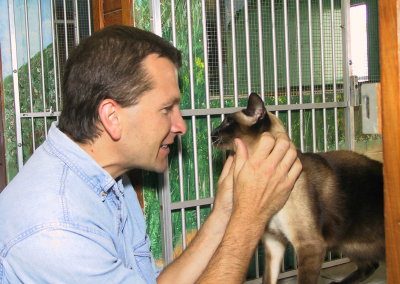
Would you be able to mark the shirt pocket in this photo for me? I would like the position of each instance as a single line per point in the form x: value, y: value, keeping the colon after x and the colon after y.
x: 144, y: 260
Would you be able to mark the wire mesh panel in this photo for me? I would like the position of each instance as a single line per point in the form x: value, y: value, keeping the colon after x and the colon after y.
x: 41, y: 33
x: 290, y: 52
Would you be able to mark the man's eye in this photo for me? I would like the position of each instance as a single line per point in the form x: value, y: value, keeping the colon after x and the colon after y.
x: 167, y: 110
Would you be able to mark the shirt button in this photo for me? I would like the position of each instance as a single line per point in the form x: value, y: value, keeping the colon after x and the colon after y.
x: 103, y: 195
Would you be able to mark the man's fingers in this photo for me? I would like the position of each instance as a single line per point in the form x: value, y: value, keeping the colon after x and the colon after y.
x: 241, y: 156
x: 264, y: 145
x: 295, y: 171
x: 228, y: 167
x: 288, y: 160
x: 281, y: 148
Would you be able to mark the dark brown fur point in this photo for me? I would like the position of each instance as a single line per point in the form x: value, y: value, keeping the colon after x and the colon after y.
x: 336, y: 204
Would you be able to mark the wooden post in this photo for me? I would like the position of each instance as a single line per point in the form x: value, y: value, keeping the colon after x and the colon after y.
x: 109, y: 12
x: 389, y: 37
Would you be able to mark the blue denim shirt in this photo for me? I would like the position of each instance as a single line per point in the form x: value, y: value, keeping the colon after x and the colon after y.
x: 64, y: 219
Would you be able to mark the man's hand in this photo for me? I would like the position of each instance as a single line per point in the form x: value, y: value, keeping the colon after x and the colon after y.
x: 264, y: 179
x: 224, y: 198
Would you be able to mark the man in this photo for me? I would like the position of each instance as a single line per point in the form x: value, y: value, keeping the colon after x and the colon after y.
x: 71, y: 216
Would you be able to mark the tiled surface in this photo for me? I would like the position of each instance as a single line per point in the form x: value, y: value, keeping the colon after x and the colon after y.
x: 339, y: 272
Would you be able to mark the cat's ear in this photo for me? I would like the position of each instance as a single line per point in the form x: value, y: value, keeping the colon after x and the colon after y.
x: 255, y: 107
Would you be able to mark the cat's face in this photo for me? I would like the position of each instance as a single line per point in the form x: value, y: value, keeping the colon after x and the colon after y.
x: 246, y: 124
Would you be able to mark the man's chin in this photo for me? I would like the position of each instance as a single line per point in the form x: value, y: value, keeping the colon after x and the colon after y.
x: 159, y: 168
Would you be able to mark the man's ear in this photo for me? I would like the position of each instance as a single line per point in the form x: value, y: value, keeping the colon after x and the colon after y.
x: 109, y: 118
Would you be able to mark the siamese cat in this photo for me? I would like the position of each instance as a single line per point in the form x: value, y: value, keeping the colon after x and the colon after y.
x: 336, y: 204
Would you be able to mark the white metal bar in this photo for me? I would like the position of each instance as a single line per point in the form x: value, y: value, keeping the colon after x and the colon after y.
x: 322, y: 46
x: 42, y: 64
x: 65, y: 30
x: 300, y: 74
x: 260, y: 47
x: 173, y: 20
x: 220, y: 63
x: 207, y: 92
x: 192, y: 203
x: 349, y: 113
x: 156, y: 17
x: 233, y: 32
x: 89, y: 17
x: 165, y: 194
x: 247, y: 36
x: 181, y: 188
x: 219, y: 111
x: 180, y: 158
x: 194, y: 131
x: 334, y: 73
x: 76, y: 24
x: 54, y: 55
x: 312, y: 74
x: 14, y: 62
x: 28, y: 54
x: 274, y: 52
x: 287, y: 65
x: 271, y: 108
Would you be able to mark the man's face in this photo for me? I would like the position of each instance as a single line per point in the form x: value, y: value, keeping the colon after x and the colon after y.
x: 151, y: 125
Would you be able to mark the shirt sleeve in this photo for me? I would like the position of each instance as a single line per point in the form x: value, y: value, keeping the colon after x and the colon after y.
x: 67, y: 256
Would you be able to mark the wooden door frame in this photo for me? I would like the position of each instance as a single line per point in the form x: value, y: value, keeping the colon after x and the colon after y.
x: 389, y: 37
x: 108, y: 12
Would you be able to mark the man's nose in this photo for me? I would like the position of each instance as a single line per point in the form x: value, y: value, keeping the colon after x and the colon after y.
x: 178, y: 123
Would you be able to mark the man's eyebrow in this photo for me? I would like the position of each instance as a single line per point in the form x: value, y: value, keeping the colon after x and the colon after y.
x: 176, y: 100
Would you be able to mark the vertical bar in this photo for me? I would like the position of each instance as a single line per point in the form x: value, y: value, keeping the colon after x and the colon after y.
x: 349, y: 112
x: 190, y: 45
x: 300, y: 74
x: 156, y: 17
x: 54, y: 55
x: 287, y: 63
x: 260, y: 48
x: 65, y: 30
x: 28, y: 54
x: 207, y: 85
x: 165, y: 194
x: 89, y: 17
x: 334, y: 73
x: 233, y: 31
x: 246, y: 26
x: 274, y: 53
x: 14, y: 62
x: 42, y: 64
x: 322, y: 46
x: 165, y: 191
x: 312, y: 74
x: 220, y: 63
x: 182, y: 195
x: 173, y: 20
x: 77, y: 36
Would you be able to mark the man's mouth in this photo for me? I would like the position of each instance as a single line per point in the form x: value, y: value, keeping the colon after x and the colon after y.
x: 165, y: 146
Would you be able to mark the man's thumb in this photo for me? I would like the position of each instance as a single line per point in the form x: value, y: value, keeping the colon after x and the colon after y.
x: 241, y: 155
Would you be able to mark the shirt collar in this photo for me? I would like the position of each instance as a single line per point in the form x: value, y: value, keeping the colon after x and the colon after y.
x: 80, y: 162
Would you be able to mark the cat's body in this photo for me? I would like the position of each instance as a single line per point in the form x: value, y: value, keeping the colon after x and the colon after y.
x: 337, y: 203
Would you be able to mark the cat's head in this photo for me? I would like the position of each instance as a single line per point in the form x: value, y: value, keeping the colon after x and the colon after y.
x: 247, y: 124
